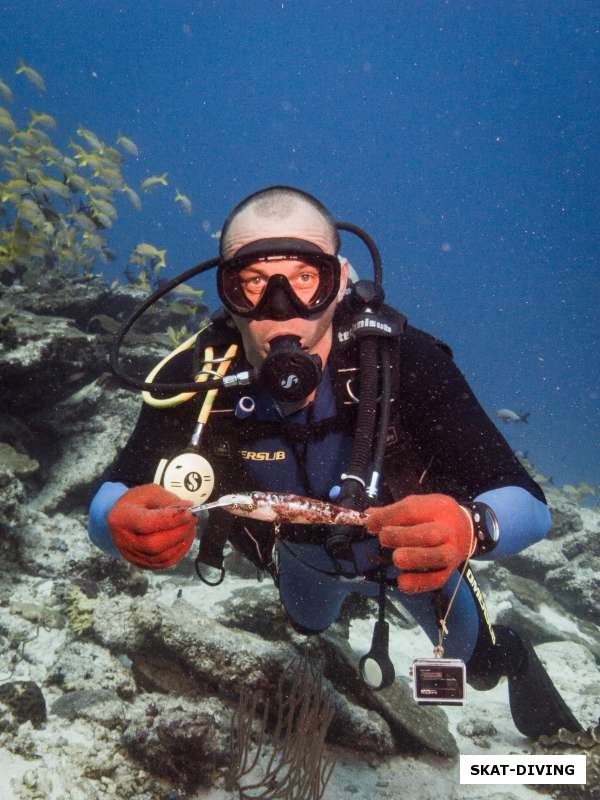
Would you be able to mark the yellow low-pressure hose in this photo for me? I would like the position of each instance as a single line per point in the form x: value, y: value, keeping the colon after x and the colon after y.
x: 175, y: 400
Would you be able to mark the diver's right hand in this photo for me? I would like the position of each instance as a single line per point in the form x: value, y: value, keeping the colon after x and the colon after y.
x: 152, y: 527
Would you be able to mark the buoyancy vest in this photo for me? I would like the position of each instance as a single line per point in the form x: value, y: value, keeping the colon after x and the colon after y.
x: 226, y: 438
x: 439, y: 438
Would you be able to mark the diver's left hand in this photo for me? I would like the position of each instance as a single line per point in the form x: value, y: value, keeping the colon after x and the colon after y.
x: 431, y: 534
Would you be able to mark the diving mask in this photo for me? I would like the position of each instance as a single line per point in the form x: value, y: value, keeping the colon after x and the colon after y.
x: 249, y: 289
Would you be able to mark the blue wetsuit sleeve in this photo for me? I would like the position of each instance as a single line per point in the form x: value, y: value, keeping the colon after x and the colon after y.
x: 522, y: 519
x: 98, y: 529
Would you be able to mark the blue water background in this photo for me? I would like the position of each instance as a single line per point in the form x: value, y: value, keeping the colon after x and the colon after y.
x: 463, y: 136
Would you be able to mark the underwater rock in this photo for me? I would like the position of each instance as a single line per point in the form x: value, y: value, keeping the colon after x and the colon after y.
x: 25, y: 700
x: 79, y: 703
x: 12, y: 499
x: 15, y: 462
x: 51, y: 348
x: 186, y: 743
x: 493, y: 796
x: 154, y: 672
x: 549, y: 623
x: 52, y: 545
x: 478, y: 729
x: 578, y: 672
x: 566, y: 516
x: 563, y: 743
x: 573, y: 545
x: 110, y: 576
x: 40, y: 614
x: 367, y: 726
x: 78, y: 299
x: 16, y: 432
x: 83, y: 665
x: 536, y: 561
x: 221, y: 660
x: 578, y: 586
x: 256, y: 609
x: 90, y: 435
x: 539, y: 612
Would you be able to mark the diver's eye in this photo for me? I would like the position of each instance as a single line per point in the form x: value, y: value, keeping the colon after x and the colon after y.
x: 253, y: 284
x: 307, y: 279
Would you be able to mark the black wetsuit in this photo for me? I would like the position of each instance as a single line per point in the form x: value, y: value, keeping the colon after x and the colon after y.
x: 439, y: 440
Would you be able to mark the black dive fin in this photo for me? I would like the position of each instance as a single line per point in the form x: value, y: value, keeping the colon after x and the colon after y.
x: 536, y: 706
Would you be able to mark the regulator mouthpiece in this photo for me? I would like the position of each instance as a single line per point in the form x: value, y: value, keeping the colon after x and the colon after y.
x: 289, y: 373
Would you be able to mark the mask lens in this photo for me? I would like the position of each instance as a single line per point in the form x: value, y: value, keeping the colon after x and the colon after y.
x: 303, y: 279
x: 310, y: 282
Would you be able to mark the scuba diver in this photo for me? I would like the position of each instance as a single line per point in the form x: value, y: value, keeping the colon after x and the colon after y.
x: 306, y: 383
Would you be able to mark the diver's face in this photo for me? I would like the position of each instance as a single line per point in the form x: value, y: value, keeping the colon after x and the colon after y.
x: 315, y: 334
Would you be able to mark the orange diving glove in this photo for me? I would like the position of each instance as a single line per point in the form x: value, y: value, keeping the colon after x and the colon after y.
x: 152, y: 527
x: 430, y: 535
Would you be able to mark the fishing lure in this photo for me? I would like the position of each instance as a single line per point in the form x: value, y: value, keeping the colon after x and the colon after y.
x: 285, y: 508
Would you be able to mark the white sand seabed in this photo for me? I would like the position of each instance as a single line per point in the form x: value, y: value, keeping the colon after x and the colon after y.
x: 426, y: 776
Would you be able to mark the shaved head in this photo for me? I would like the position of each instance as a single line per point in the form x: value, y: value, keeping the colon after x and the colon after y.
x: 280, y: 212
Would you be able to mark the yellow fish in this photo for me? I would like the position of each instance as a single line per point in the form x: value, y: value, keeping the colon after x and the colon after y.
x: 188, y: 291
x: 90, y: 137
x: 84, y: 222
x: 49, y: 153
x: 103, y: 219
x: 39, y: 118
x: 24, y: 137
x: 91, y: 160
x: 128, y: 145
x: 7, y: 123
x: 111, y: 177
x: 142, y: 282
x: 104, y: 207
x: 154, y: 180
x: 93, y: 240
x: 186, y: 203
x: 41, y: 136
x: 14, y: 188
x: 149, y: 251
x: 133, y: 197
x: 28, y: 210
x: 32, y: 76
x: 55, y: 187
x: 6, y: 91
x: 111, y: 155
x: 12, y: 169
x: 77, y: 182
x: 99, y: 190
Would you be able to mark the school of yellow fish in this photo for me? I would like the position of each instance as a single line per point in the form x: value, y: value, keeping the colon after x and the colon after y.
x: 56, y: 206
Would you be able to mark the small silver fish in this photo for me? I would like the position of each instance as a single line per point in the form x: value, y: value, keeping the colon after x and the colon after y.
x: 506, y: 415
x: 292, y: 508
x: 128, y: 145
